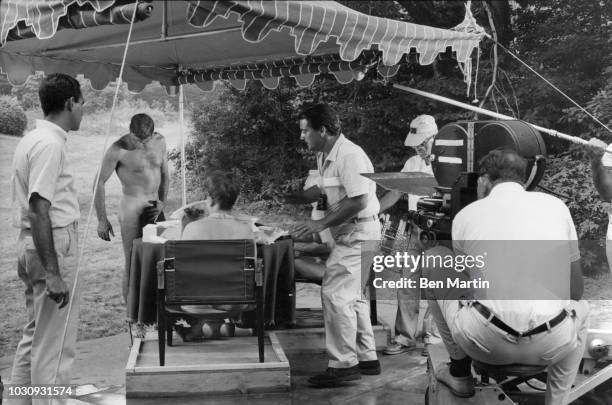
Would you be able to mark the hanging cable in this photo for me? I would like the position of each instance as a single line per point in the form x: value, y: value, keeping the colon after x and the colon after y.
x: 549, y: 83
x: 81, y: 249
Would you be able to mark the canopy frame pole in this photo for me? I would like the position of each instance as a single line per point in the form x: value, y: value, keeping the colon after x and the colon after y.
x: 164, y: 27
x: 182, y: 131
x: 479, y: 110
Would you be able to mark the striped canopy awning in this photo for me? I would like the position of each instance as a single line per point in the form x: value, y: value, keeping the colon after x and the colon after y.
x: 199, y: 42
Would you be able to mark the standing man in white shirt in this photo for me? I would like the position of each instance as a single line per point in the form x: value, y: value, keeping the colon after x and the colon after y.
x: 46, y: 212
x: 540, y: 328
x: 351, y: 209
x: 423, y: 129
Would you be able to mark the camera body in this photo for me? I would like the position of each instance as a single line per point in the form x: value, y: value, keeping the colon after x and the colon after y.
x: 456, y: 151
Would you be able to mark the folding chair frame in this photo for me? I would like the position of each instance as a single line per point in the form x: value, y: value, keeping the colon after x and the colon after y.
x: 164, y: 327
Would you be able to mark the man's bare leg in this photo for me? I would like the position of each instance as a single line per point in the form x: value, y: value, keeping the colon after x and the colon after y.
x: 130, y: 209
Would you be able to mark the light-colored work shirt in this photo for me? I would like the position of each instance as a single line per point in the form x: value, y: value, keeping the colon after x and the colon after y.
x: 40, y: 165
x: 530, y: 225
x: 416, y: 164
x: 341, y: 176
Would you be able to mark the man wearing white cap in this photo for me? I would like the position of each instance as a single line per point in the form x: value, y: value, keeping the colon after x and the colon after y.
x: 422, y: 131
x: 601, y: 167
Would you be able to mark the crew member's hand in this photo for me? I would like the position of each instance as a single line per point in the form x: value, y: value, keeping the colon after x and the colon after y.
x: 105, y: 230
x: 596, y: 149
x: 57, y: 290
x: 306, y: 229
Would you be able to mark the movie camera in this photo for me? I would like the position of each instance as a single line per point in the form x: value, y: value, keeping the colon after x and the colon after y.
x: 456, y: 151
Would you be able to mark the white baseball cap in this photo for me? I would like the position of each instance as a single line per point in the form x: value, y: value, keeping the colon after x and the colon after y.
x: 421, y: 128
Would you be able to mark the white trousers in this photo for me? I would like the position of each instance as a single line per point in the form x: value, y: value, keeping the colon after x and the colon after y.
x: 37, y: 354
x: 466, y: 332
x: 349, y: 337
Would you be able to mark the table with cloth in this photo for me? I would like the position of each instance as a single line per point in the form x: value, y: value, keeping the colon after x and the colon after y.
x: 278, y: 285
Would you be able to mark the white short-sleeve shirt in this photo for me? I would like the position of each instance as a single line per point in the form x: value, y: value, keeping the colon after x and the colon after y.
x: 416, y: 164
x: 510, y: 213
x: 341, y: 175
x: 40, y: 165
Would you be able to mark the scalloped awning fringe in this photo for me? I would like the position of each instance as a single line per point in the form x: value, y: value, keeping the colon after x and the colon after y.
x: 219, y: 39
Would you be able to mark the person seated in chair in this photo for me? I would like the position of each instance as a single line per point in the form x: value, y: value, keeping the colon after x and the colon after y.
x: 538, y: 329
x: 222, y: 191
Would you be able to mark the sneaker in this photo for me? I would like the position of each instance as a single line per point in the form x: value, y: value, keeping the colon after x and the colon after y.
x: 460, y: 386
x: 397, y: 348
x: 370, y: 367
x: 227, y: 330
x: 333, y: 377
x: 212, y: 329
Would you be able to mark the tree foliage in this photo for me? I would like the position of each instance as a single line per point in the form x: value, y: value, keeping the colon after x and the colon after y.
x: 252, y: 133
x: 13, y: 120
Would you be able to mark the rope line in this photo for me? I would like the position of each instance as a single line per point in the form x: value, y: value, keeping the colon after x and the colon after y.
x: 89, y: 215
x: 550, y: 84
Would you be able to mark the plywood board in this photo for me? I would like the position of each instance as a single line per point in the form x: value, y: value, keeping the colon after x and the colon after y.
x: 223, y: 366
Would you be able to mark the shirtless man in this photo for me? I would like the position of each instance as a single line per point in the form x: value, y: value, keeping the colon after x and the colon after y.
x: 141, y: 163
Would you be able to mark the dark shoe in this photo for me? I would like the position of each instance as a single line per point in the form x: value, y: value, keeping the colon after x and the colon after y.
x: 460, y: 386
x: 370, y: 367
x: 333, y: 377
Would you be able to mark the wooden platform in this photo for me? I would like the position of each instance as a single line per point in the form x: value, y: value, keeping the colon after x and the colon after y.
x: 227, y: 366
x: 224, y: 367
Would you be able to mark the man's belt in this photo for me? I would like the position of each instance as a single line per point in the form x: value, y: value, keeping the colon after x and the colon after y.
x: 484, y: 311
x: 364, y: 219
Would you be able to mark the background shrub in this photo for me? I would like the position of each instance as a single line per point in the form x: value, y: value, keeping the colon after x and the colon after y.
x: 13, y: 120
